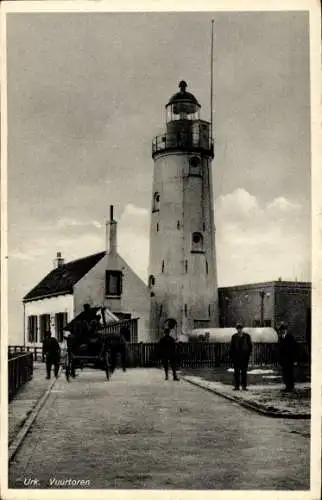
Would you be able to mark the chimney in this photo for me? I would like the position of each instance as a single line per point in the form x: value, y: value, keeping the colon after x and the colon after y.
x: 59, y: 261
x: 111, y: 233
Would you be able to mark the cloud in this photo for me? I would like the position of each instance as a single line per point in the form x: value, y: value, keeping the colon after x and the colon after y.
x: 281, y: 204
x: 239, y: 204
x: 259, y: 242
x: 65, y: 222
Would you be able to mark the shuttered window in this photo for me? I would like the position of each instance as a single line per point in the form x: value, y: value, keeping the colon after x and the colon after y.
x: 32, y: 328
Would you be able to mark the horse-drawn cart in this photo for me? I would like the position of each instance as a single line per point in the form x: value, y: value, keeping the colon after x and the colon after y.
x: 80, y: 356
x: 92, y: 342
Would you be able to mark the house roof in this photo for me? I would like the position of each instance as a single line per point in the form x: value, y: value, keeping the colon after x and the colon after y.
x: 62, y: 279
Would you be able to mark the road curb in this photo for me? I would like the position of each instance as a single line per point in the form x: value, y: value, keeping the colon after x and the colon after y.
x: 250, y: 405
x: 18, y: 440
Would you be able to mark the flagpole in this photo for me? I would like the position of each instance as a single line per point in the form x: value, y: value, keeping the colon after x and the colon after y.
x: 211, y: 76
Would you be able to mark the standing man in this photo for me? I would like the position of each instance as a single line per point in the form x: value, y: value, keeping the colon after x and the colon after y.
x: 117, y: 346
x: 51, y: 353
x: 167, y: 346
x: 287, y: 356
x: 240, y: 350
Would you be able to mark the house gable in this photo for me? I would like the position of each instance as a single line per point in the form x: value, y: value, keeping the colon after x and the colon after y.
x: 134, y: 299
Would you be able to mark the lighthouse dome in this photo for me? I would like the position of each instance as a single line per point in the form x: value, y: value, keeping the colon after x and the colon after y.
x: 183, y: 103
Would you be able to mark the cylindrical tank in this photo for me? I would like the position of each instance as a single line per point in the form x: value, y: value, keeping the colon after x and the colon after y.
x: 223, y: 335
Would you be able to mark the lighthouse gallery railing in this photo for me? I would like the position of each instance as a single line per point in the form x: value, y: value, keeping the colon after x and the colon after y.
x: 184, y: 142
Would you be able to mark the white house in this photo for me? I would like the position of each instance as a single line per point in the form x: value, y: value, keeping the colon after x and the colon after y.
x: 101, y: 280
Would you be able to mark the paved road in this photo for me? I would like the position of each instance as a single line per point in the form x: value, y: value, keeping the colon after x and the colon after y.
x: 139, y: 431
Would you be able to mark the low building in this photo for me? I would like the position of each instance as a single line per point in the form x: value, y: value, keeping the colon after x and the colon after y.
x: 101, y: 280
x: 267, y: 305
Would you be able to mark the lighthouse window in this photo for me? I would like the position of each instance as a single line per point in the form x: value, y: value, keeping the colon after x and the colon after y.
x: 195, y: 166
x: 197, y: 242
x: 194, y: 161
x: 162, y: 269
x: 156, y: 202
x: 178, y: 224
x: 151, y: 281
x: 206, y: 267
x: 157, y: 226
x: 186, y: 265
x: 209, y: 311
x: 185, y: 309
x: 196, y: 237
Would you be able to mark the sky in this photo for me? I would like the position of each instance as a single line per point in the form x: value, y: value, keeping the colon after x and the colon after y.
x: 86, y: 95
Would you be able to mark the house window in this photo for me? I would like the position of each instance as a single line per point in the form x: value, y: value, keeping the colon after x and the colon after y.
x: 156, y: 202
x: 186, y: 265
x: 113, y: 284
x: 157, y: 226
x: 185, y: 309
x: 178, y: 224
x: 32, y: 328
x: 209, y: 310
x: 162, y: 268
x: 44, y: 325
x: 203, y: 226
x: 151, y: 281
x: 256, y: 323
x: 61, y: 320
x: 197, y: 242
x: 267, y: 322
x: 206, y: 267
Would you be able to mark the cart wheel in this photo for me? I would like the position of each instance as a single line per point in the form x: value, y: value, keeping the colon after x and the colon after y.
x: 107, y: 371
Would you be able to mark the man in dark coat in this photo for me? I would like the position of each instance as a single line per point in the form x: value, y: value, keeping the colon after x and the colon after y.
x: 240, y: 350
x: 288, y: 352
x: 51, y: 353
x: 116, y: 345
x: 167, y: 349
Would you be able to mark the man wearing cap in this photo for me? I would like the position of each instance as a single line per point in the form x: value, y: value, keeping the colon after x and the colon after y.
x: 167, y: 349
x: 287, y: 356
x: 240, y: 350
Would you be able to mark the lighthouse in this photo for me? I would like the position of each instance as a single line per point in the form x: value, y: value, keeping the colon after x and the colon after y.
x: 182, y: 262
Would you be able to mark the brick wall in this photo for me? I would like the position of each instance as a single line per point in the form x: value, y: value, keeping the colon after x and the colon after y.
x: 243, y: 304
x: 283, y: 301
x: 292, y: 304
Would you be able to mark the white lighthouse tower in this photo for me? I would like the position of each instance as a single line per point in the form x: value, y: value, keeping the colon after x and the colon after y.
x: 182, y: 265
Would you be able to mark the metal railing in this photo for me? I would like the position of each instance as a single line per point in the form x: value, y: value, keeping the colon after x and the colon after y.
x: 184, y: 142
x: 20, y: 370
x: 36, y: 351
